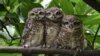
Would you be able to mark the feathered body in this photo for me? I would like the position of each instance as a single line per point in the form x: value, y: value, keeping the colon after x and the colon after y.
x: 71, y: 35
x: 33, y: 31
x: 53, y: 20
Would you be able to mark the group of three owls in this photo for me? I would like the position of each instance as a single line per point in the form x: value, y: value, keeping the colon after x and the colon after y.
x: 52, y: 29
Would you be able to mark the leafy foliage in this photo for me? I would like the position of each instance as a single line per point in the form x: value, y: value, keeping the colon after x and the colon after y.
x: 14, y: 13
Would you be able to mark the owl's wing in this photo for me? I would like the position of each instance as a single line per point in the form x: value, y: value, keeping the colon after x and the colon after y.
x: 34, y: 35
x: 81, y: 40
x: 37, y: 33
x: 52, y: 30
x: 27, y: 28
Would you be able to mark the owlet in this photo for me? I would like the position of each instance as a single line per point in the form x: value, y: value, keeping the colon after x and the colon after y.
x: 71, y: 35
x: 33, y: 31
x: 53, y: 19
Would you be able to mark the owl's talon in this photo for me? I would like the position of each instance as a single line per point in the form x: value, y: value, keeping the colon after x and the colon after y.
x: 60, y: 47
x: 48, y: 46
x: 26, y: 46
x: 43, y: 46
x: 78, y: 50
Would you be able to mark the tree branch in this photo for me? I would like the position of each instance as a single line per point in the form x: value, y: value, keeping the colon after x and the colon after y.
x: 93, y: 3
x: 48, y: 51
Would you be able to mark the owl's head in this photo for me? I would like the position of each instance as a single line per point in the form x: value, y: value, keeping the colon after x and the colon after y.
x: 54, y: 14
x: 37, y: 14
x: 72, y: 22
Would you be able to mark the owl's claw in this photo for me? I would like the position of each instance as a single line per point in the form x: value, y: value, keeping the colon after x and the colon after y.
x: 78, y: 50
x: 26, y: 46
x: 43, y: 46
x: 48, y: 46
x: 60, y: 47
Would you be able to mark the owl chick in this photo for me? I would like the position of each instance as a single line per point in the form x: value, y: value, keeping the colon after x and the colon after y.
x: 53, y: 20
x: 71, y: 34
x: 33, y: 31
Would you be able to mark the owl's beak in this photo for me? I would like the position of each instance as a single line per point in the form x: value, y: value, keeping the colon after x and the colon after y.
x: 36, y: 17
x: 51, y: 16
x: 71, y: 27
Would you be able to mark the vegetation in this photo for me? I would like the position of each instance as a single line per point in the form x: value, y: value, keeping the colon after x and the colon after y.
x: 13, y: 14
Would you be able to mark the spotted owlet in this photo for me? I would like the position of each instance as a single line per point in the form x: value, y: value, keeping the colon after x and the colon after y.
x: 53, y: 20
x: 71, y: 34
x: 33, y: 30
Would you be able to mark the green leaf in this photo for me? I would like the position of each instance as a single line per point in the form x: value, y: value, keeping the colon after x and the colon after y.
x: 90, y: 19
x: 25, y: 7
x: 54, y: 3
x: 75, y: 1
x: 27, y: 1
x: 13, y: 17
x: 80, y: 7
x: 2, y: 13
x: 2, y: 42
x: 13, y: 2
x: 19, y: 28
x: 5, y: 2
x: 37, y: 1
x: 89, y: 39
x: 11, y: 5
x: 16, y: 42
x: 2, y: 36
x: 10, y: 54
x: 1, y: 2
x: 67, y: 6
x: 2, y: 8
x: 32, y: 1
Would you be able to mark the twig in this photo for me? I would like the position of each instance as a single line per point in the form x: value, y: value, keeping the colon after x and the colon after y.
x: 34, y: 50
x: 95, y: 36
x: 2, y: 24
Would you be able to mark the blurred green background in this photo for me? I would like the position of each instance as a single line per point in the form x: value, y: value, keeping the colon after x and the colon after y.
x: 13, y: 14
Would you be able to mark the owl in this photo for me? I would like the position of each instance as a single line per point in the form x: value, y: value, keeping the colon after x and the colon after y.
x: 33, y: 31
x: 71, y: 34
x: 52, y: 25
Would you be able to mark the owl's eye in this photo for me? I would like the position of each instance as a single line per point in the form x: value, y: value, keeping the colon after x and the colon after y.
x: 48, y: 13
x: 58, y: 13
x: 32, y: 14
x: 76, y: 23
x: 41, y: 13
x: 65, y: 23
